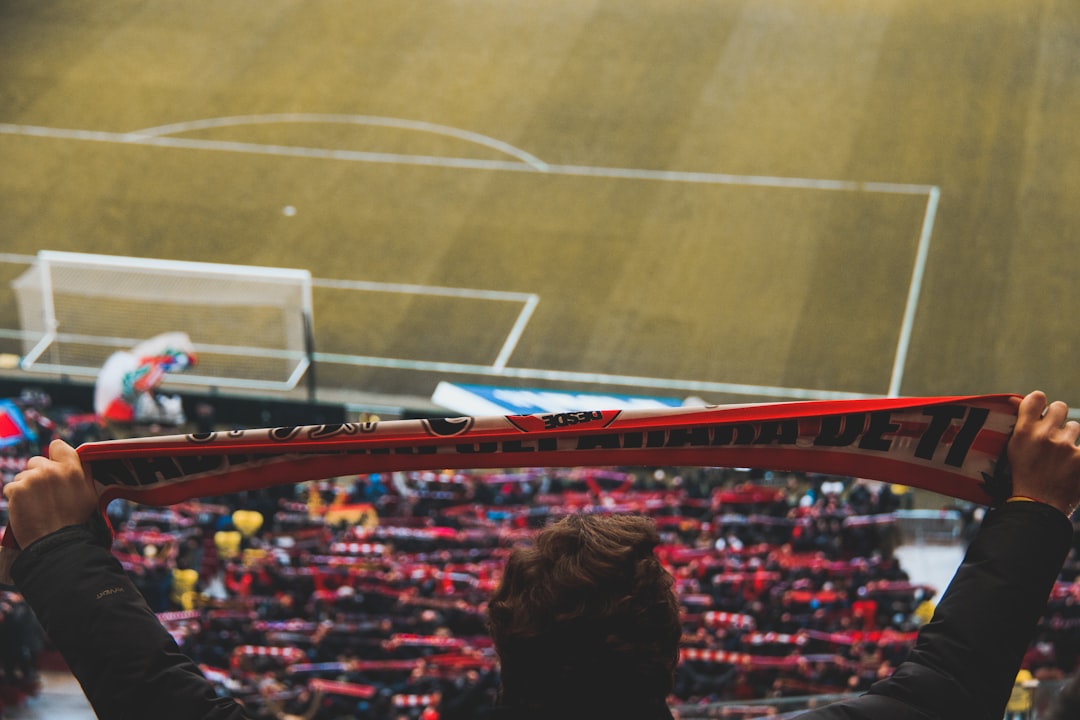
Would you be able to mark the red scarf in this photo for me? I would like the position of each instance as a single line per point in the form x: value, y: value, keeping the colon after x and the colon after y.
x: 950, y: 445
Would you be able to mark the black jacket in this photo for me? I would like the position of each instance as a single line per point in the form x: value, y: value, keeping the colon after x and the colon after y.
x: 962, y: 667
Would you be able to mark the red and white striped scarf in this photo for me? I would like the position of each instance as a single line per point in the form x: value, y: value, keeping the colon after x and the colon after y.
x: 951, y: 445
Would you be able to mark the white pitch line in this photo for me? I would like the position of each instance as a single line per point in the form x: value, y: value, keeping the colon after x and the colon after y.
x: 63, y: 134
x: 467, y: 163
x: 590, y: 378
x: 914, y: 290
x: 742, y: 180
x: 416, y: 289
x: 529, y: 302
x: 21, y: 259
x: 685, y: 385
x: 19, y: 334
x: 515, y: 332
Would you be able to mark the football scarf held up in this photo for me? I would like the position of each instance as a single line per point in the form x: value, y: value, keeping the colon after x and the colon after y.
x: 949, y: 445
x: 954, y: 446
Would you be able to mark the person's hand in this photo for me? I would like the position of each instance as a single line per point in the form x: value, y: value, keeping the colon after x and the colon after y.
x: 1043, y: 453
x: 49, y: 494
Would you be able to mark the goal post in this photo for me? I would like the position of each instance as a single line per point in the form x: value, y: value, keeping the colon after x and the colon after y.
x: 250, y: 325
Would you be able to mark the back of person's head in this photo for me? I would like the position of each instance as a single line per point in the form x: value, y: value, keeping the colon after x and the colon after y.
x: 586, y: 620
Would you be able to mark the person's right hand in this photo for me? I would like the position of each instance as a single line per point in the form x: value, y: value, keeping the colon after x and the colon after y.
x: 49, y: 494
x: 1043, y: 453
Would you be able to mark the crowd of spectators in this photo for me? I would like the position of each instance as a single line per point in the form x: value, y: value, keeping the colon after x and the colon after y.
x: 363, y: 597
x: 21, y: 641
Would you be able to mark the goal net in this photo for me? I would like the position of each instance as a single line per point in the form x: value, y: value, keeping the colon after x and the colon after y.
x: 250, y: 325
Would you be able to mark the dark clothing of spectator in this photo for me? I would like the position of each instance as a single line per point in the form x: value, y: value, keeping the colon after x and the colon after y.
x: 962, y: 666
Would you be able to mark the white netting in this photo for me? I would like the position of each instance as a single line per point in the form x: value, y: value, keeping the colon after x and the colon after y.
x: 248, y: 324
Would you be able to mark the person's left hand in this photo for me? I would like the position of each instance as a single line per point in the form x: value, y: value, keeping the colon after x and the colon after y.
x: 51, y: 493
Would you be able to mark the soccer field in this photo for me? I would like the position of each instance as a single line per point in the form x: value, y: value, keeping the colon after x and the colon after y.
x: 738, y: 200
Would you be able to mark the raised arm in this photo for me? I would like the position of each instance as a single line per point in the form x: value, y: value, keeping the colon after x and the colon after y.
x: 967, y: 656
x: 126, y: 662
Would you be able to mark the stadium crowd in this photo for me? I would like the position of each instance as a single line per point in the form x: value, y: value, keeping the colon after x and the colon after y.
x: 364, y: 597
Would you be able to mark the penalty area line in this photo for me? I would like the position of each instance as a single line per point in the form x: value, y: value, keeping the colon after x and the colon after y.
x: 529, y: 302
x: 907, y: 325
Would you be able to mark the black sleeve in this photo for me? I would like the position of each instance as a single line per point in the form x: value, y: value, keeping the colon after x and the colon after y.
x: 966, y: 658
x: 128, y: 665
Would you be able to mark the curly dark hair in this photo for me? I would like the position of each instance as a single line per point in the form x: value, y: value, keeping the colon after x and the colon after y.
x: 587, y: 615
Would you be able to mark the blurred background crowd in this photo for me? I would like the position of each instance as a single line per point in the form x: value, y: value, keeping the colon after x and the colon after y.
x: 364, y: 596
